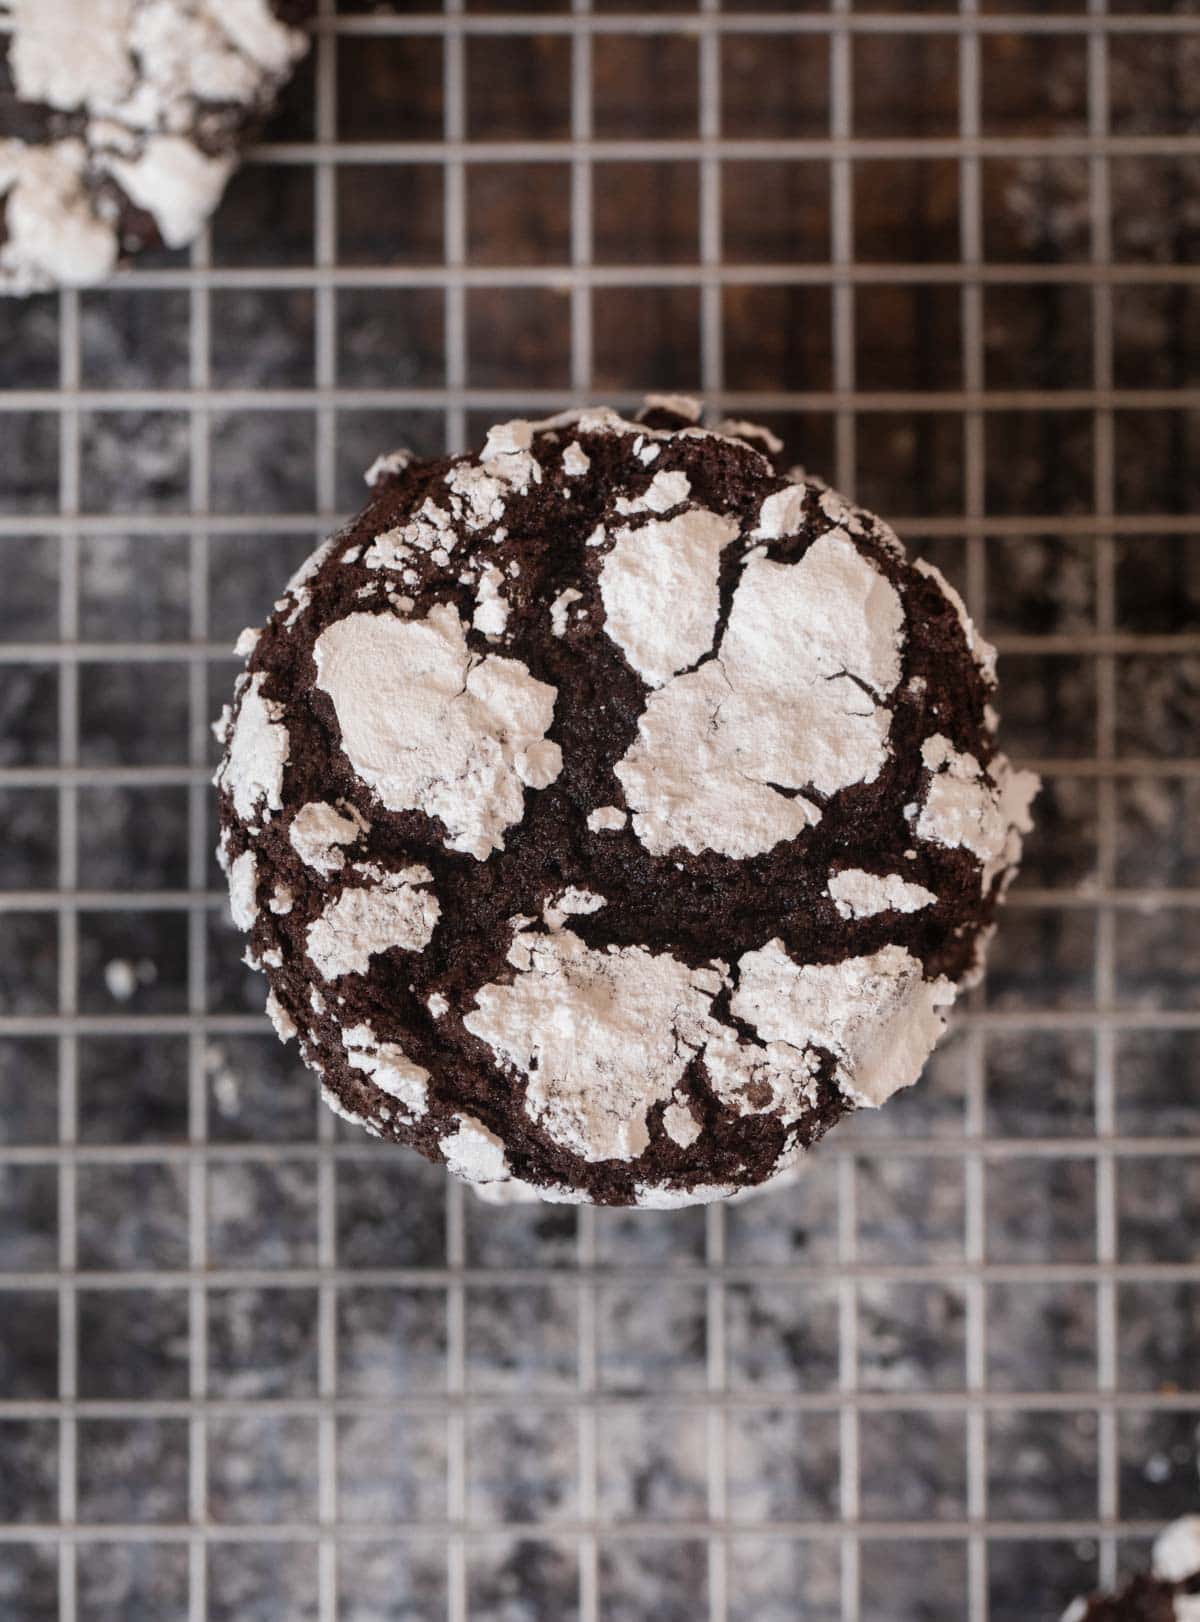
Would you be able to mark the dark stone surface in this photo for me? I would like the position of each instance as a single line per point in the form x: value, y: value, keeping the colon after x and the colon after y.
x: 782, y: 1337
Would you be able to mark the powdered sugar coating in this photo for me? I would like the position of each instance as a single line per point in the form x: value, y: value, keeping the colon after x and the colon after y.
x: 680, y: 1125
x: 175, y: 182
x: 148, y: 85
x: 285, y: 1026
x: 685, y: 407
x: 658, y: 585
x: 243, y: 887
x: 665, y: 491
x: 599, y: 811
x: 559, y: 609
x: 318, y: 832
x: 1176, y: 1555
x: 606, y: 819
x: 252, y: 770
x: 570, y: 903
x: 864, y: 895
x: 491, y: 608
x: 53, y: 237
x: 399, y: 911
x: 389, y: 1067
x: 787, y: 705
x: 600, y: 1037
x: 430, y: 726
x: 983, y: 812
x: 474, y: 1153
x: 756, y: 1078
x: 781, y: 514
x: 879, y: 1015
x: 674, y: 1199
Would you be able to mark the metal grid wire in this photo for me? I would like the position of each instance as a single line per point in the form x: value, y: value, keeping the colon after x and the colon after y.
x: 1039, y: 1331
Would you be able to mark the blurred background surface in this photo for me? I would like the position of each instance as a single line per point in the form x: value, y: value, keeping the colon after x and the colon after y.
x: 252, y: 1365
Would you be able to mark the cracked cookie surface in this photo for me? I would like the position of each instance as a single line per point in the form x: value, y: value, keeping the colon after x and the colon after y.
x: 611, y: 811
x: 121, y: 122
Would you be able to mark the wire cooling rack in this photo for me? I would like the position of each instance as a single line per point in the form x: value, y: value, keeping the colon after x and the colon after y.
x: 253, y: 1366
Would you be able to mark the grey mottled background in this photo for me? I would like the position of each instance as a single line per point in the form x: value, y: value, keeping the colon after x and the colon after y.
x: 970, y: 1334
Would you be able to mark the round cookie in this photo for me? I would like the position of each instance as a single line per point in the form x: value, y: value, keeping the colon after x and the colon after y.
x: 1170, y: 1592
x: 611, y: 811
x: 120, y: 124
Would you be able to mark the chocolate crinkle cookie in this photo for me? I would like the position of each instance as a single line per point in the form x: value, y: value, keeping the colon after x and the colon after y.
x: 120, y: 123
x: 612, y: 811
x: 1169, y: 1593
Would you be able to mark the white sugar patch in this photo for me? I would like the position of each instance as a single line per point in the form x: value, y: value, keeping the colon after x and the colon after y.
x: 781, y: 514
x: 141, y: 65
x: 176, y: 182
x: 788, y: 704
x: 389, y: 1068
x: 684, y: 406
x: 738, y: 428
x: 515, y: 1192
x: 252, y: 771
x: 604, y: 420
x: 387, y: 466
x: 558, y: 610
x: 665, y: 490
x: 877, y: 1015
x: 607, y: 819
x: 299, y: 587
x: 474, y: 1153
x: 756, y: 1079
x: 659, y: 588
x: 651, y: 1197
x: 506, y: 466
x: 570, y: 903
x: 1177, y: 1551
x: 597, y: 1034
x: 243, y: 887
x: 67, y: 55
x: 257, y: 32
x: 285, y: 1025
x: 398, y: 911
x: 681, y: 1126
x: 491, y: 608
x: 331, y: 1101
x: 963, y: 810
x: 842, y: 512
x: 52, y: 236
x: 429, y: 530
x: 432, y: 727
x: 857, y: 894
x: 575, y: 461
x: 317, y: 832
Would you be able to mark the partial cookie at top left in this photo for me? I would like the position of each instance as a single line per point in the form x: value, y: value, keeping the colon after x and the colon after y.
x: 121, y: 122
